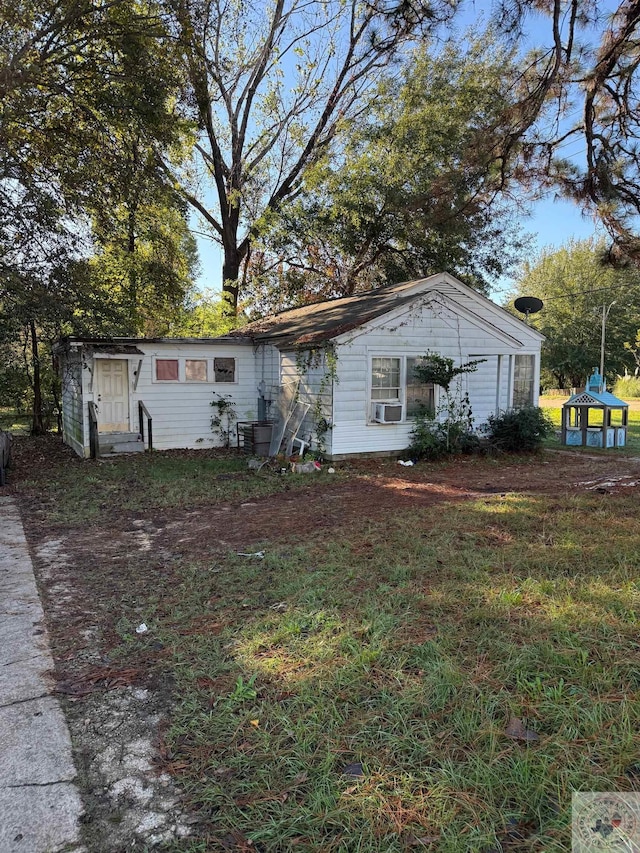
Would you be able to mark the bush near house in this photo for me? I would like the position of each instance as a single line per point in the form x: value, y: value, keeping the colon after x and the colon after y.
x: 518, y: 430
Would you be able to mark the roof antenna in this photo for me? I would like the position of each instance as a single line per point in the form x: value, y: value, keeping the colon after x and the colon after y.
x: 528, y: 305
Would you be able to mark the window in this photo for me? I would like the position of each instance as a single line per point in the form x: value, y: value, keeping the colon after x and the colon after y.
x: 420, y: 396
x: 523, y: 379
x: 167, y: 369
x: 393, y: 380
x: 385, y: 379
x: 224, y: 369
x: 195, y: 370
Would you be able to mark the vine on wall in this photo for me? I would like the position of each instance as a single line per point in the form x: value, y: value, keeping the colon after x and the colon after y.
x: 224, y: 417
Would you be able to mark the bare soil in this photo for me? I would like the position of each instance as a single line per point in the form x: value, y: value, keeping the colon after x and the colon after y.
x: 88, y: 573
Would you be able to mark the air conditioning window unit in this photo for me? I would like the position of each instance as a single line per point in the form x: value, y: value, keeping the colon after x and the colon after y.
x: 387, y: 413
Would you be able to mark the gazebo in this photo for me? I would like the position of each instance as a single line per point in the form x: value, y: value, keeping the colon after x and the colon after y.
x: 582, y: 427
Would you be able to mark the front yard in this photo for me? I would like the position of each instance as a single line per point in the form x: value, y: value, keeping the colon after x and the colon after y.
x: 380, y: 659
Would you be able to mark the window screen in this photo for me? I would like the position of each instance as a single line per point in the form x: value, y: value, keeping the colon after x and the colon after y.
x: 420, y: 398
x: 523, y: 376
x: 224, y: 369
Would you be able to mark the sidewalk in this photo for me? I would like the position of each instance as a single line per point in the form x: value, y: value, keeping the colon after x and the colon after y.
x: 40, y: 805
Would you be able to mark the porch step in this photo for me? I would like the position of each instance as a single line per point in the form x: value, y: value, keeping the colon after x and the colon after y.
x: 112, y: 443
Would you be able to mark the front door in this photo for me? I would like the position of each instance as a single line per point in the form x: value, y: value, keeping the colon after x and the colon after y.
x: 112, y: 380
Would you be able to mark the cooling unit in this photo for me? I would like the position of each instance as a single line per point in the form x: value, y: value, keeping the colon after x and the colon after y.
x: 387, y: 413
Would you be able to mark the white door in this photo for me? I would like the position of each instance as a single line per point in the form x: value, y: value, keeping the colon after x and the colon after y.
x: 112, y: 381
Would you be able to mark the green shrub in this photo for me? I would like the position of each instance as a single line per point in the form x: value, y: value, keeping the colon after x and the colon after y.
x: 627, y: 386
x: 519, y: 429
x: 431, y: 439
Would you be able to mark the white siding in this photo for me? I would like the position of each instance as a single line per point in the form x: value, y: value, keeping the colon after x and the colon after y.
x: 313, y: 371
x: 436, y: 323
x: 182, y: 411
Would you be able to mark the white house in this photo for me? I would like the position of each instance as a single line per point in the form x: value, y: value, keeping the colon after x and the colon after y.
x: 347, y: 363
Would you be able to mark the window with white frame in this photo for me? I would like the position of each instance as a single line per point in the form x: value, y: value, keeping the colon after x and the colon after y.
x: 394, y: 380
x: 385, y: 379
x: 523, y: 380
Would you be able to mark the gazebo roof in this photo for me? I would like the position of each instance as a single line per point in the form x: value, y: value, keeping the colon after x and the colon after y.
x: 593, y: 398
x: 596, y: 394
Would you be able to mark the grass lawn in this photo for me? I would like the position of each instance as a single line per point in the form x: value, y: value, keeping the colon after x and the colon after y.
x: 355, y: 694
x: 11, y: 421
x: 441, y: 676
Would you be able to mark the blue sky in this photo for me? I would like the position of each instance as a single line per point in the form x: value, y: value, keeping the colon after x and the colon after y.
x: 552, y: 221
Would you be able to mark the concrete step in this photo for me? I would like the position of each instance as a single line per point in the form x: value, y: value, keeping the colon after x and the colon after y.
x: 120, y: 442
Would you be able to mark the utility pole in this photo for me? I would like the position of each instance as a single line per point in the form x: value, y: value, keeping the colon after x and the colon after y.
x: 605, y: 314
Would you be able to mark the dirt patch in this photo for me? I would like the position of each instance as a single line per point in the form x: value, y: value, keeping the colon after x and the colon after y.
x: 92, y: 576
x: 115, y: 713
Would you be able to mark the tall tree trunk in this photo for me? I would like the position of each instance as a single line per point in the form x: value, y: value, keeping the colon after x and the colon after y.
x: 230, y: 276
x: 37, y: 420
x: 133, y: 272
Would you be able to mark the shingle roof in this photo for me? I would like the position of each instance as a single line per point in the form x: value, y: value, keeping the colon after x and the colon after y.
x: 322, y: 321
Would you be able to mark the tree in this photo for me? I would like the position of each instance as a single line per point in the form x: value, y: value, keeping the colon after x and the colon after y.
x: 581, y: 88
x: 412, y: 189
x: 83, y: 87
x: 268, y: 87
x: 574, y: 284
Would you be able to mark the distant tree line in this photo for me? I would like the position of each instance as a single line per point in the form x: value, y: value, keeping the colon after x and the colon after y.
x: 326, y: 146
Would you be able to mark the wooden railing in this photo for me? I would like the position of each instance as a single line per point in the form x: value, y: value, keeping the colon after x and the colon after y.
x: 143, y: 413
x: 94, y: 442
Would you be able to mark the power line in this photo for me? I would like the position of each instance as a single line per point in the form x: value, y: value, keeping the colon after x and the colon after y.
x: 586, y: 292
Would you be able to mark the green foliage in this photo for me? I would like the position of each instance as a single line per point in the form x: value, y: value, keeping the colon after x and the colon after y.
x: 451, y: 429
x: 243, y: 691
x: 450, y: 432
x: 409, y: 187
x: 206, y: 316
x: 222, y: 422
x: 571, y: 320
x: 438, y: 370
x: 519, y: 430
x: 85, y: 111
x: 270, y: 85
x: 627, y: 387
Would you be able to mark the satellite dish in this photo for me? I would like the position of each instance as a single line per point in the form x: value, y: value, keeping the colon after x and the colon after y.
x: 528, y: 305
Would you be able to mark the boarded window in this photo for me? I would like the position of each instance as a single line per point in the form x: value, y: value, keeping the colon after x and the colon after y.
x: 167, y: 369
x: 420, y: 397
x: 224, y: 369
x: 523, y: 377
x: 195, y: 370
x: 385, y: 379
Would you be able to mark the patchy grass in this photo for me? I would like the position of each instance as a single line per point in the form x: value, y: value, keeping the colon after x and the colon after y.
x: 84, y: 490
x: 405, y: 649
x: 355, y: 690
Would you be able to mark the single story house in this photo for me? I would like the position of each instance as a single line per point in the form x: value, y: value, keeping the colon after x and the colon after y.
x: 345, y: 364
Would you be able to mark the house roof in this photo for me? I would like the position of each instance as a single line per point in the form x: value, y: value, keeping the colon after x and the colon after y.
x: 123, y: 345
x: 323, y: 321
